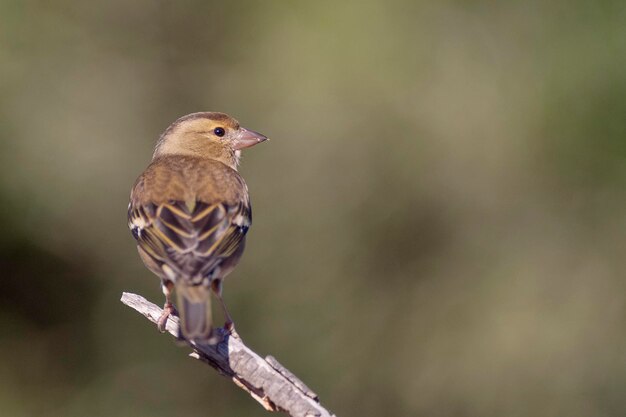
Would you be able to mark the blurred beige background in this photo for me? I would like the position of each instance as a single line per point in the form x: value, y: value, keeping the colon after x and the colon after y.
x: 439, y: 219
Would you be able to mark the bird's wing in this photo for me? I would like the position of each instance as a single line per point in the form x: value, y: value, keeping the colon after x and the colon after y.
x: 187, y: 238
x: 189, y: 242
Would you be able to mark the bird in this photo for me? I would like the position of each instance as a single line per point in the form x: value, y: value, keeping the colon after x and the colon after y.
x: 189, y: 213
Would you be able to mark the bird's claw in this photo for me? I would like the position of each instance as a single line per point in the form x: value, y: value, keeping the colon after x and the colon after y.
x: 229, y: 329
x: 168, y: 309
x: 229, y: 326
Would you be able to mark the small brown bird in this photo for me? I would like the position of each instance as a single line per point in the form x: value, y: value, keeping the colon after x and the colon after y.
x: 189, y: 212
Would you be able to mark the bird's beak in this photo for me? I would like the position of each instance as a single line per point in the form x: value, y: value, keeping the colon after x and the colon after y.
x: 247, y: 138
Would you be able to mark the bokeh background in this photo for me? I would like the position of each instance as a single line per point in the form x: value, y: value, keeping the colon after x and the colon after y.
x: 440, y: 223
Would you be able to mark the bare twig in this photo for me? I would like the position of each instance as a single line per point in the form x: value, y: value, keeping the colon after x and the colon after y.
x: 266, y: 380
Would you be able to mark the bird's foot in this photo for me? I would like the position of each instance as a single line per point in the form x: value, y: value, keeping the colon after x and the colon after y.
x: 229, y: 329
x: 229, y: 326
x: 168, y: 309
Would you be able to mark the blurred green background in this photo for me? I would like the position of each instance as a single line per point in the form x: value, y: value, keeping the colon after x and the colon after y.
x: 439, y: 224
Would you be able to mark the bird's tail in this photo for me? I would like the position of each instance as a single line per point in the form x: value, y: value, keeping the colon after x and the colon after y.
x: 194, y: 305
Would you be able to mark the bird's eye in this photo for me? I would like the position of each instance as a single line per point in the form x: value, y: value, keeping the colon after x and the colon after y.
x: 219, y: 131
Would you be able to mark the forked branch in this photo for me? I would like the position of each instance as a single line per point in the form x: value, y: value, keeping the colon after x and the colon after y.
x: 266, y: 380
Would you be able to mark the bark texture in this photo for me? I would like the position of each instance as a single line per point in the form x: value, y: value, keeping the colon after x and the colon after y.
x: 266, y: 380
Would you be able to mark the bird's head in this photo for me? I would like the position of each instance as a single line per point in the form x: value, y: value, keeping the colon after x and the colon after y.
x: 207, y: 135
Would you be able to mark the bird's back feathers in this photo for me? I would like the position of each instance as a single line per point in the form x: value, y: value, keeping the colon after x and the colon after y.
x: 189, y: 215
x: 188, y: 178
